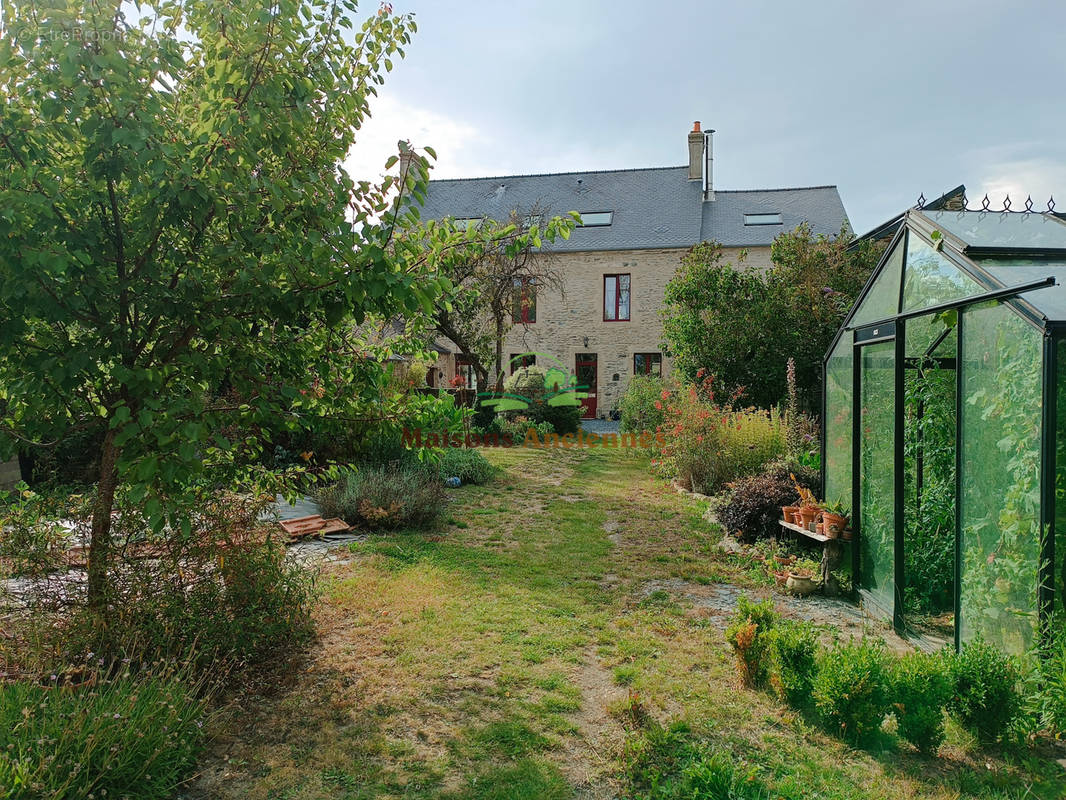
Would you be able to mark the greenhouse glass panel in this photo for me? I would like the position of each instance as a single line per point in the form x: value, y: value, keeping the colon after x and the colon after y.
x: 930, y: 279
x: 932, y: 335
x: 999, y: 507
x: 985, y: 229
x: 877, y: 383
x: 839, y: 399
x: 882, y: 300
x: 1060, y: 478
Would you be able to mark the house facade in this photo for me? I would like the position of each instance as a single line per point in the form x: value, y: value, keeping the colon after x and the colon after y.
x: 603, y: 322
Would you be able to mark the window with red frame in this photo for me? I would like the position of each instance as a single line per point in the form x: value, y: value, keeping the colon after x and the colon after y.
x: 519, y: 360
x: 615, y: 298
x: 524, y: 309
x: 648, y: 364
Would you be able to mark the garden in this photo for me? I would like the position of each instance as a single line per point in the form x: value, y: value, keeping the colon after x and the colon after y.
x: 207, y: 320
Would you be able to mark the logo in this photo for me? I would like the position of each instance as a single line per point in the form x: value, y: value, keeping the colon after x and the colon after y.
x: 561, y: 386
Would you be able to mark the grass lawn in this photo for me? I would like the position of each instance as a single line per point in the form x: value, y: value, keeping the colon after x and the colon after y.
x: 510, y: 653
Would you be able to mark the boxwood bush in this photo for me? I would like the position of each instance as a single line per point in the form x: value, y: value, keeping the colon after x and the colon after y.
x: 985, y: 696
x: 851, y: 691
x: 921, y: 688
x: 466, y: 464
x: 793, y: 661
x: 749, y: 633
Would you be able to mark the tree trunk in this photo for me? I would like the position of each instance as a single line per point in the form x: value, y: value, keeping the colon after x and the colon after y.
x: 100, y: 537
x: 499, y: 354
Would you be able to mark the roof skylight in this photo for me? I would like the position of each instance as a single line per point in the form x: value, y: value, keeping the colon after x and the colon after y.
x: 596, y: 219
x: 762, y: 219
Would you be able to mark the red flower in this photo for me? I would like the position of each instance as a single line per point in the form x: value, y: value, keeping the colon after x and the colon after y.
x: 658, y: 405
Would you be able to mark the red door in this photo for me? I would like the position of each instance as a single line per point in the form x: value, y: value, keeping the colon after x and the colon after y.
x: 586, y: 369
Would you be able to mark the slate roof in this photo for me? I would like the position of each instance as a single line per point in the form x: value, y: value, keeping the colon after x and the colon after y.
x: 653, y: 208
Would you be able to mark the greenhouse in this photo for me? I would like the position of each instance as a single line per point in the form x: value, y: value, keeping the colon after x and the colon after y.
x: 945, y: 427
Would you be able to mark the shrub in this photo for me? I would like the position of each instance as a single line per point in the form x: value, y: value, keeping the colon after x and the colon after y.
x: 753, y: 506
x: 519, y: 427
x: 385, y: 497
x: 467, y: 464
x: 132, y: 735
x: 793, y: 661
x: 32, y: 545
x: 921, y: 688
x: 531, y: 383
x: 709, y: 444
x: 641, y: 406
x: 226, y: 593
x: 222, y: 593
x: 749, y: 633
x: 984, y: 690
x: 1045, y: 686
x: 850, y: 691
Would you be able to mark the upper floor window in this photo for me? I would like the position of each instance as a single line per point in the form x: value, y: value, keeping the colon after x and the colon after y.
x: 648, y: 364
x: 615, y: 298
x: 762, y: 219
x: 596, y: 219
x: 524, y: 302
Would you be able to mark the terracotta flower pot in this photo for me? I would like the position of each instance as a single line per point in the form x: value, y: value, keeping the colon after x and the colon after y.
x: 781, y: 579
x: 834, y: 525
x: 807, y: 515
x: 789, y: 512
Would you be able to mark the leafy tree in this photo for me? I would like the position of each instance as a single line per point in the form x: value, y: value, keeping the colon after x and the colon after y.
x: 503, y: 267
x: 180, y: 250
x: 743, y: 326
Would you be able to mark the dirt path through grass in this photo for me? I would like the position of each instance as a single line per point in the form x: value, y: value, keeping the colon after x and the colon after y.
x: 497, y: 656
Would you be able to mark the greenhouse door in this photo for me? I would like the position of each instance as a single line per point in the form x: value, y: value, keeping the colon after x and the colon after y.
x: 929, y: 464
x: 875, y: 442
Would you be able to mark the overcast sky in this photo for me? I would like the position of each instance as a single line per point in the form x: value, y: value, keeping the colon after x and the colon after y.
x: 885, y: 100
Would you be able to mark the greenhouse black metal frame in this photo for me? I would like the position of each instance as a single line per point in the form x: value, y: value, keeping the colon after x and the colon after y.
x: 962, y: 277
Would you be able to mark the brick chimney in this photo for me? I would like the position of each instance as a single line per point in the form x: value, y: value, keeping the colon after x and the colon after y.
x: 695, y: 153
x: 701, y: 159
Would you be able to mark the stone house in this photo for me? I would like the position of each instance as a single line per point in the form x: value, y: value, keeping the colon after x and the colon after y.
x: 604, y: 324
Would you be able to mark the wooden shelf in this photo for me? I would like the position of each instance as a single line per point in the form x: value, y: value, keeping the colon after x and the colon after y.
x: 801, y: 530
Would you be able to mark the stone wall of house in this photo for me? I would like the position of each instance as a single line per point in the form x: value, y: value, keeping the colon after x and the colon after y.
x: 566, y: 319
x: 9, y: 473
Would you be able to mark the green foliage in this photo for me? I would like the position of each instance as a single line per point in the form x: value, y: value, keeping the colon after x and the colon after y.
x: 501, y: 266
x: 929, y: 432
x: 709, y: 443
x: 669, y: 764
x: 984, y: 683
x: 32, y: 543
x: 531, y: 384
x: 466, y: 464
x: 851, y: 690
x: 134, y: 735
x: 225, y: 596
x: 753, y: 507
x: 1044, y: 687
x: 921, y: 688
x: 385, y: 497
x: 641, y: 405
x: 793, y: 661
x: 743, y: 325
x: 750, y: 635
